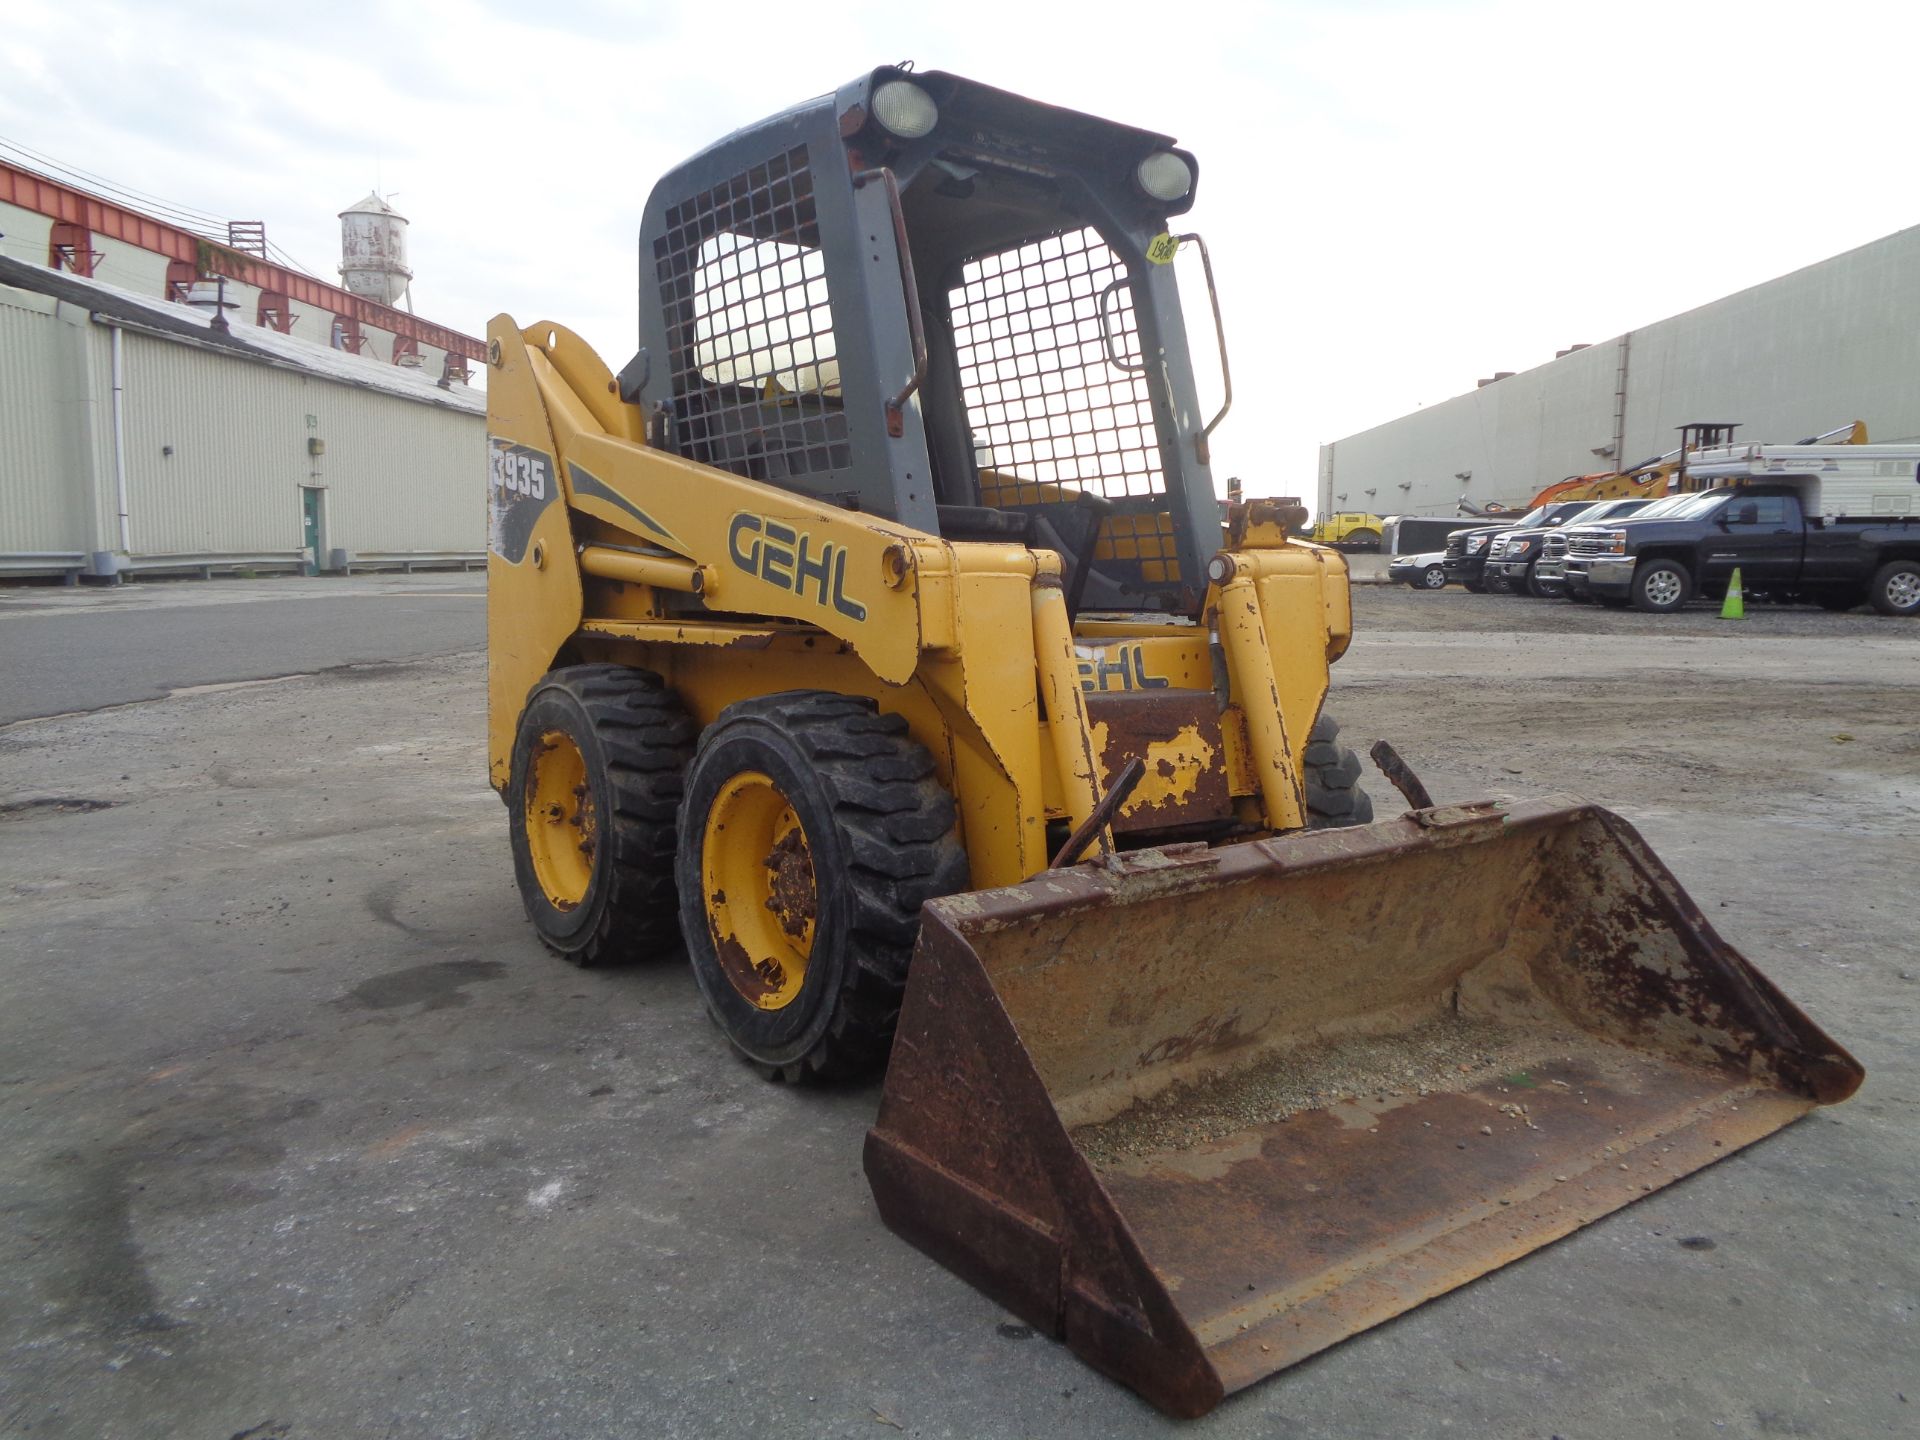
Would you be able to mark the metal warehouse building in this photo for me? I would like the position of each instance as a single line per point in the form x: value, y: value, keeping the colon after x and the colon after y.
x: 175, y: 402
x: 140, y: 437
x: 1803, y: 354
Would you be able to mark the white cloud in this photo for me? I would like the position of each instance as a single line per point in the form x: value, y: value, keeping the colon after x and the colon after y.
x: 1399, y: 197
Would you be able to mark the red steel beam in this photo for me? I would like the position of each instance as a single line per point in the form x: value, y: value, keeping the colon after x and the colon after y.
x: 31, y: 191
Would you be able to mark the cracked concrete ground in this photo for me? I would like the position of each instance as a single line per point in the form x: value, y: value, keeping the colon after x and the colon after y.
x: 301, y: 1135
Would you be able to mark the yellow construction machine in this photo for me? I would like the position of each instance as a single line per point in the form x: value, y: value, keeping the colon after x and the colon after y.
x: 874, y: 633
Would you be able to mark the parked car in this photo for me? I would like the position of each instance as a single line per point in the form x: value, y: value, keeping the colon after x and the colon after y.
x: 1776, y: 536
x: 1422, y: 572
x: 1533, y: 561
x: 1467, y: 549
x: 1577, y: 553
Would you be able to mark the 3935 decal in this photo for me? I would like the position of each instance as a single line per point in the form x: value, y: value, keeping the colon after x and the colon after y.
x: 520, y: 485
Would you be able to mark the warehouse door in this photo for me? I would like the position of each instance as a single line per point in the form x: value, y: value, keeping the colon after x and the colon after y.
x: 310, y: 528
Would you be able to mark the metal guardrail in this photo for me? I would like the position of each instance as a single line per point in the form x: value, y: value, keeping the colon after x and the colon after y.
x: 406, y: 560
x: 206, y: 562
x: 66, y: 563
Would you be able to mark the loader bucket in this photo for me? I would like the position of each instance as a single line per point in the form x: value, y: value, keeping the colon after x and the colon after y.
x: 1202, y: 1113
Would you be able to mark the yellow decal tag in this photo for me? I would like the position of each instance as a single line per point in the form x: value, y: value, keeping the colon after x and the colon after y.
x: 1161, y: 249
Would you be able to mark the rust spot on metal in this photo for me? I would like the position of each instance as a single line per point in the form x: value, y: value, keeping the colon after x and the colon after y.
x: 743, y: 971
x: 791, y: 894
x: 1177, y: 733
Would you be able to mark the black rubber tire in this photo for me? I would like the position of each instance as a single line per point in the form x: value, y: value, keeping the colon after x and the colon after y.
x: 1827, y: 600
x: 1535, y: 587
x: 1434, y: 577
x: 1477, y: 587
x: 885, y: 839
x: 1334, y: 796
x: 1498, y: 586
x: 636, y: 740
x: 1580, y: 598
x: 1612, y: 602
x: 1885, y: 578
x: 1646, y: 573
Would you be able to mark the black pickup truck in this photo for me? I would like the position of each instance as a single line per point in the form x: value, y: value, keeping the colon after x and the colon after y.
x: 1658, y: 565
x: 1466, y: 556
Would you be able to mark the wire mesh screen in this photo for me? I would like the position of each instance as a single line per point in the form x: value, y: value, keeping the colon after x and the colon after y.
x: 1045, y: 401
x: 756, y: 378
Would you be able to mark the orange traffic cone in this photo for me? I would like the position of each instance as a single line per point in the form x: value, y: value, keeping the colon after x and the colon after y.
x: 1734, y: 607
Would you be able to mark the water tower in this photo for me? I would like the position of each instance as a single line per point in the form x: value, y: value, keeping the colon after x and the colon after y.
x: 373, y: 251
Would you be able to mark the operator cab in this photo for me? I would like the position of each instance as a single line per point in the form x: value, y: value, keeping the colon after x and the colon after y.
x: 939, y: 302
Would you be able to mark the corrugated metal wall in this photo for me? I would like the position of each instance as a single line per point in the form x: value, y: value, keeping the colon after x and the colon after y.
x: 1823, y: 346
x: 48, y: 404
x: 214, y: 452
x: 217, y: 450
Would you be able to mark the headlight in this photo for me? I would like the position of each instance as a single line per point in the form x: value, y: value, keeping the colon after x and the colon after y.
x: 1476, y: 542
x: 904, y: 109
x: 1164, y: 176
x: 1617, y: 542
x: 1519, y: 547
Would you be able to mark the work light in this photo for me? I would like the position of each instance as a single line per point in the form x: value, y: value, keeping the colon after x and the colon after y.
x: 1164, y: 176
x: 905, y: 110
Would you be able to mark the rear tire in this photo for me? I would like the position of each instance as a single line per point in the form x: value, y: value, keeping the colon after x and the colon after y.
x: 866, y: 836
x: 599, y: 756
x: 1661, y: 587
x: 1895, y: 588
x: 1334, y: 796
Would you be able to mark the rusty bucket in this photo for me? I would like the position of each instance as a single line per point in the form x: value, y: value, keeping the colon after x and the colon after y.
x: 1203, y: 1112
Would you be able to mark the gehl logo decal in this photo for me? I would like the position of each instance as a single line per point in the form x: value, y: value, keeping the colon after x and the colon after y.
x: 783, y: 556
x: 1126, y: 670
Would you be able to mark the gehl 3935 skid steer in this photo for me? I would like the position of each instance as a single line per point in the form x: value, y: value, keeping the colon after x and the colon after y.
x: 876, y: 633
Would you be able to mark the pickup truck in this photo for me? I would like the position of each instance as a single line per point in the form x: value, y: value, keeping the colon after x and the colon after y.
x: 1466, y: 554
x: 1569, y: 558
x: 1532, y: 563
x: 1764, y: 530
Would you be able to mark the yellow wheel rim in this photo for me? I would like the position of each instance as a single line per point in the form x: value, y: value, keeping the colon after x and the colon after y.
x: 562, y: 828
x: 762, y: 902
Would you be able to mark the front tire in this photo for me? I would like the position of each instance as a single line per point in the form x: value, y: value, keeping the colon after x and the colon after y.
x: 1334, y: 796
x: 592, y: 795
x: 812, y: 831
x: 1661, y: 587
x: 1434, y: 577
x: 1895, y: 588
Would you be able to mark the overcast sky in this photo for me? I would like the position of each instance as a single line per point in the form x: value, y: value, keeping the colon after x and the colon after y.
x: 1400, y: 197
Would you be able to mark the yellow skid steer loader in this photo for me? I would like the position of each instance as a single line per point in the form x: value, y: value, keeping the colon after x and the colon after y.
x: 875, y: 632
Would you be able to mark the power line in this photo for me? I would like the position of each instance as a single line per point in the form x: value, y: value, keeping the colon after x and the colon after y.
x: 211, y: 226
x: 167, y: 209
